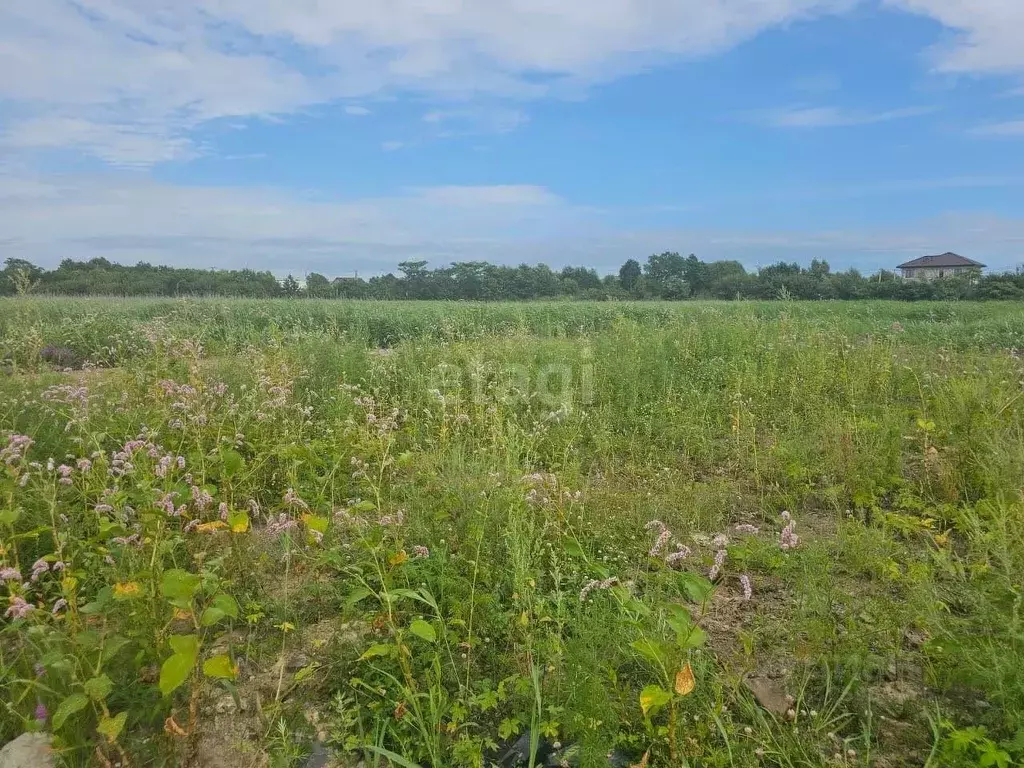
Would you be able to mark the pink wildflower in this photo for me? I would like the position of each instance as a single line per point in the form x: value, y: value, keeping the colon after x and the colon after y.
x: 10, y: 574
x: 788, y: 538
x: 748, y: 591
x: 677, y: 557
x: 59, y: 606
x: 661, y: 542
x: 716, y: 567
x: 747, y: 528
x: 39, y: 567
x: 420, y: 551
x: 18, y: 609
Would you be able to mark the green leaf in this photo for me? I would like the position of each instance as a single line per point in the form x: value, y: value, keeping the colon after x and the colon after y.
x: 391, y: 756
x: 653, y: 698
x: 175, y: 671
x: 98, y: 688
x: 211, y: 616
x: 113, y: 644
x: 238, y: 522
x: 695, y: 639
x: 317, y: 523
x: 380, y: 649
x: 220, y: 667
x: 186, y: 644
x: 572, y: 547
x: 360, y: 593
x: 228, y: 604
x: 650, y: 649
x: 76, y: 702
x: 423, y: 630
x: 111, y: 727
x: 679, y: 619
x: 695, y: 587
x: 179, y: 585
x: 232, y: 461
x: 306, y: 671
x: 10, y: 516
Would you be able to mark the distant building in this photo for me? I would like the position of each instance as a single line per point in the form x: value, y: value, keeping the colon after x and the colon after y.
x: 943, y: 265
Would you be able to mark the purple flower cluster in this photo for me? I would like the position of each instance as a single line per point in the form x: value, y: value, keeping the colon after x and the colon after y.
x: 280, y: 525
x: 18, y: 608
x: 421, y: 552
x: 787, y: 538
x: 716, y: 566
x: 16, y: 448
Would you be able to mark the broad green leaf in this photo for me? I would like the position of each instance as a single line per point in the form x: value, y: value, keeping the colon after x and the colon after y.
x: 649, y: 649
x: 175, y: 671
x: 211, y: 616
x: 423, y: 630
x: 238, y: 521
x: 697, y: 588
x: 380, y: 649
x: 364, y: 506
x: 572, y: 547
x: 186, y: 644
x: 695, y: 639
x: 232, y: 460
x: 226, y: 603
x: 112, y: 646
x: 111, y: 727
x: 220, y: 667
x: 679, y: 619
x: 316, y: 523
x: 360, y: 593
x: 98, y: 688
x: 653, y: 698
x: 179, y: 585
x: 76, y: 702
x: 10, y: 515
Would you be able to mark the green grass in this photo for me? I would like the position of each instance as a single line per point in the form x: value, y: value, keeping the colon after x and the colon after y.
x: 527, y: 447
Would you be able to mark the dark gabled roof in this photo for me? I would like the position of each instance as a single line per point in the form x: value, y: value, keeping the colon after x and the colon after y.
x: 942, y: 260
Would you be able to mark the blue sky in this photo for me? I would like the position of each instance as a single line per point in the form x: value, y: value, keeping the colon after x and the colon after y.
x: 298, y: 136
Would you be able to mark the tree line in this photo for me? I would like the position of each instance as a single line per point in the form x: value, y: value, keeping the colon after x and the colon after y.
x: 666, y: 276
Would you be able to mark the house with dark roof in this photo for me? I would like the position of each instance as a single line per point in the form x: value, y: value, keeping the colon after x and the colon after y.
x: 943, y: 265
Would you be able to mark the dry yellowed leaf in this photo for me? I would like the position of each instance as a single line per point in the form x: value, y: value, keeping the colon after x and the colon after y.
x: 685, y: 682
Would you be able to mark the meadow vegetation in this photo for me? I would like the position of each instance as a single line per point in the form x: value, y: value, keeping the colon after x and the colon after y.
x: 242, y: 533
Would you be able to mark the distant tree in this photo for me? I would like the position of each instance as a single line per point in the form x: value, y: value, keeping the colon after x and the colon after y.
x: 290, y: 286
x: 629, y: 275
x: 318, y: 286
x: 21, y: 276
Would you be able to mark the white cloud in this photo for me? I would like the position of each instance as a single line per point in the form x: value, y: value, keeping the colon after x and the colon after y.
x: 834, y: 117
x: 1006, y: 129
x: 470, y: 121
x: 503, y: 195
x: 356, y: 111
x: 130, y: 80
x: 988, y: 33
x: 129, y: 218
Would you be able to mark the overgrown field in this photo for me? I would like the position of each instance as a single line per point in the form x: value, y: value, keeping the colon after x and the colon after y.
x: 249, y: 533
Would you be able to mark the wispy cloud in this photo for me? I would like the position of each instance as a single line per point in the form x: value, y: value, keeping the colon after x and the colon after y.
x: 833, y: 117
x: 471, y: 121
x: 393, y: 145
x: 356, y: 111
x: 1009, y: 128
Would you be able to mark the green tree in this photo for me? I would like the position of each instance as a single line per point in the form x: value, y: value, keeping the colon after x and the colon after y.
x: 629, y: 275
x: 318, y: 286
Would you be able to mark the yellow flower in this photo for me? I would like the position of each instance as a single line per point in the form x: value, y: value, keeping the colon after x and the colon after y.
x: 216, y: 525
x: 127, y: 590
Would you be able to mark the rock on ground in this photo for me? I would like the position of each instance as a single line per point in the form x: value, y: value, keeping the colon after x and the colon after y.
x: 30, y: 750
